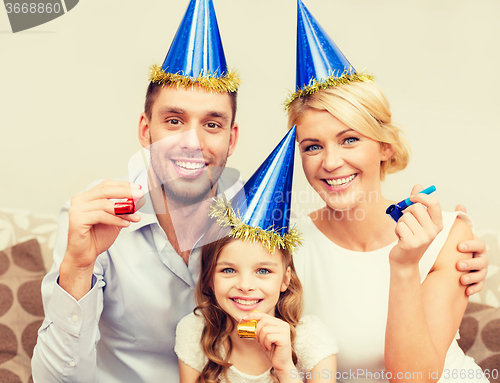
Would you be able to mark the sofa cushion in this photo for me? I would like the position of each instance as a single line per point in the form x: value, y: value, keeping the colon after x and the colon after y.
x: 21, y: 309
x: 480, y: 338
x: 18, y: 226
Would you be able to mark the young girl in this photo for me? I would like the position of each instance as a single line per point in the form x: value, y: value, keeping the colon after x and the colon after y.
x: 249, y: 274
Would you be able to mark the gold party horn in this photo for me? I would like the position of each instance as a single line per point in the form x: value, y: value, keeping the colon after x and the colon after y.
x: 247, y: 329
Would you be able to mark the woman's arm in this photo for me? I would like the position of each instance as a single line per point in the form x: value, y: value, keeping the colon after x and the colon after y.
x: 187, y: 374
x: 423, y: 319
x: 324, y: 371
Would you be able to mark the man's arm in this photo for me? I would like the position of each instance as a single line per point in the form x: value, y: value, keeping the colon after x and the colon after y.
x: 65, y: 349
x: 72, y: 290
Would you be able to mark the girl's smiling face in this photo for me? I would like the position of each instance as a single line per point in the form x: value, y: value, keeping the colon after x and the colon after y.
x: 342, y: 165
x: 247, y: 278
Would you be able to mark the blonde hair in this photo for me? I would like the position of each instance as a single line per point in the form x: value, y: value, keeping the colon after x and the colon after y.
x: 364, y: 108
x: 218, y: 324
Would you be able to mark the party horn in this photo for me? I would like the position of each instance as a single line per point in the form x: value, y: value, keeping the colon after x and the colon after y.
x: 125, y: 207
x: 396, y: 211
x: 247, y: 329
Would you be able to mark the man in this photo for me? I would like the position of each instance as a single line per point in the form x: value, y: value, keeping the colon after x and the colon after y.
x: 113, y: 297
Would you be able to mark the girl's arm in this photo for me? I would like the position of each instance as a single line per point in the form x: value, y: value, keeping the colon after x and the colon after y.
x: 188, y: 348
x: 324, y: 371
x: 187, y: 374
x: 423, y: 318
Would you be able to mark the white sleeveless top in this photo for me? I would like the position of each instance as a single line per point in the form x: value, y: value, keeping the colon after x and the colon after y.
x: 349, y: 292
x: 313, y: 343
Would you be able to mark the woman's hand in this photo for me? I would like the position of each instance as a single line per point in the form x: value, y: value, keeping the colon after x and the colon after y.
x: 273, y: 334
x: 416, y: 229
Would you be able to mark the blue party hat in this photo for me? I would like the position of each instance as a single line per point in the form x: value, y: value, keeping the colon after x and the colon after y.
x: 261, y: 210
x: 320, y: 63
x: 196, y: 55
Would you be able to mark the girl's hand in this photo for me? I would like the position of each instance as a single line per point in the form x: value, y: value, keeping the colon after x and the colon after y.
x: 273, y: 334
x: 416, y: 229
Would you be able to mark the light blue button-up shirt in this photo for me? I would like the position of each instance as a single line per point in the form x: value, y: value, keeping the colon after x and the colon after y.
x: 123, y: 329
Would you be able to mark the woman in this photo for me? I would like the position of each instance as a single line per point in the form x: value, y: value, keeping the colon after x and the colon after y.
x: 388, y: 290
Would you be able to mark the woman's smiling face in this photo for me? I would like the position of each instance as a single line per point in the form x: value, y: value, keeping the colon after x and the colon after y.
x: 342, y: 165
x: 247, y: 278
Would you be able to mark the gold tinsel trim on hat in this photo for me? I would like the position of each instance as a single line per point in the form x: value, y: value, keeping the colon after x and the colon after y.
x: 225, y: 215
x: 332, y: 80
x: 228, y: 83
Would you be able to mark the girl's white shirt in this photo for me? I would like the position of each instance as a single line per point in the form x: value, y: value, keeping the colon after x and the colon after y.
x: 313, y: 343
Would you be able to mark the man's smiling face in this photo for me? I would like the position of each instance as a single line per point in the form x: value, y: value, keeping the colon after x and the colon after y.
x: 190, y: 137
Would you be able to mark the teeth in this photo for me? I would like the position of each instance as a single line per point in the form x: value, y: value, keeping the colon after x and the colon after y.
x: 246, y: 302
x: 340, y: 181
x: 190, y: 165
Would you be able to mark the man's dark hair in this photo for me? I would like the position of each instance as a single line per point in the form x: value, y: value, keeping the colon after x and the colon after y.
x: 154, y: 89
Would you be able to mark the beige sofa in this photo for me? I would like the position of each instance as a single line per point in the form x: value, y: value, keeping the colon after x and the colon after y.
x: 26, y: 243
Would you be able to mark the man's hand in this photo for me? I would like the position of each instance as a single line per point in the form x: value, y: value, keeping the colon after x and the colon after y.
x: 477, y: 265
x: 93, y: 227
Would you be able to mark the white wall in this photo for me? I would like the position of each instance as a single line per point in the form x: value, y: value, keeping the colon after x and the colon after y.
x: 71, y: 91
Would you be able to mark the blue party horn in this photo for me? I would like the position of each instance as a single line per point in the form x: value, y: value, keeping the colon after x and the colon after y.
x: 396, y: 211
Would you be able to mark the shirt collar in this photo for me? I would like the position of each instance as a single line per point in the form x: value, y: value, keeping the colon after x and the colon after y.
x: 148, y: 217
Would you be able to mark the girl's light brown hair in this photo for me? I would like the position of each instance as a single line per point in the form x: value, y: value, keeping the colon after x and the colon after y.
x: 218, y: 324
x: 362, y: 107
